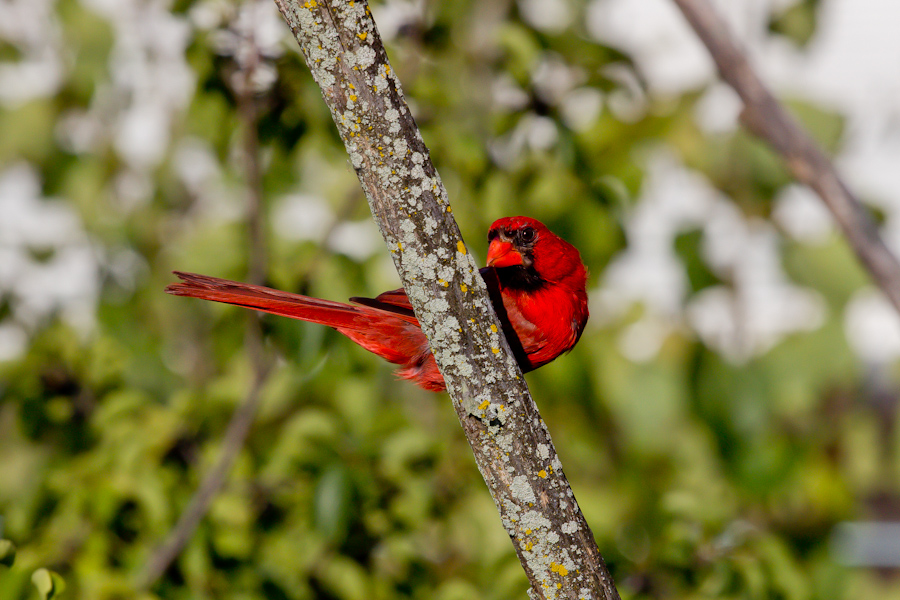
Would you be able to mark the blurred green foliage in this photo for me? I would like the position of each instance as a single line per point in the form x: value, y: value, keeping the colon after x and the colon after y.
x: 701, y: 477
x: 49, y: 584
x: 797, y: 21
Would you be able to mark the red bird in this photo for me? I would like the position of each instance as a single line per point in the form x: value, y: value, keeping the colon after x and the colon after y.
x: 536, y: 281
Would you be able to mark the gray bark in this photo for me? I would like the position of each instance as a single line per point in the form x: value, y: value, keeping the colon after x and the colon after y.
x: 511, y: 444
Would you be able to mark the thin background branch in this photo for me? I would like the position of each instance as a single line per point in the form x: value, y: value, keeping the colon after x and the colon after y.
x: 767, y: 118
x: 512, y: 446
x: 243, y: 417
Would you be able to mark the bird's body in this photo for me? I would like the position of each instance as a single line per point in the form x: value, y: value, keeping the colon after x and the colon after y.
x: 537, y: 284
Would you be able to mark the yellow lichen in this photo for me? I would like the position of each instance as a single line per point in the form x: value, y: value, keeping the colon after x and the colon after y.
x: 542, y: 474
x: 460, y: 247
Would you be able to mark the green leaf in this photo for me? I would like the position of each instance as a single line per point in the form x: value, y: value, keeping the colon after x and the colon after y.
x: 332, y: 502
x: 825, y: 126
x: 7, y: 553
x: 49, y: 584
x: 797, y: 23
x: 688, y: 246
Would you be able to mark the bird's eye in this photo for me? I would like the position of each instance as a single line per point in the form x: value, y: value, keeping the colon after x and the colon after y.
x: 526, y: 234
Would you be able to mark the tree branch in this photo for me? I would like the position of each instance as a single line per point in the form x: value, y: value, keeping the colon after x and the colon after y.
x: 199, y: 504
x: 764, y: 116
x: 511, y: 444
x: 243, y: 417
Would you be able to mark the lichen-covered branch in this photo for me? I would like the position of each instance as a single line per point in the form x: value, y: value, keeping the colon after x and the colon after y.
x: 765, y: 117
x: 512, y: 446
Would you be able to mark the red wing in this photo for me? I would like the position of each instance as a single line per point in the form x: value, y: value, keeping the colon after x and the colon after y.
x: 393, y: 301
x: 396, y: 297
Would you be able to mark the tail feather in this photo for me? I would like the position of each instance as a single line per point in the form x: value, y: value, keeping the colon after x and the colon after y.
x: 315, y: 310
x: 383, y: 328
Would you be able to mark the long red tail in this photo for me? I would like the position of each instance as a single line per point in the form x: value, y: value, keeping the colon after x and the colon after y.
x: 305, y: 308
x: 384, y: 326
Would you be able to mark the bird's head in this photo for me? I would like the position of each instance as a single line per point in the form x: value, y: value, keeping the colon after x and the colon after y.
x: 534, y: 253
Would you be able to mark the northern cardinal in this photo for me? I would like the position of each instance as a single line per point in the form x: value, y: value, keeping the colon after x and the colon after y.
x: 536, y: 281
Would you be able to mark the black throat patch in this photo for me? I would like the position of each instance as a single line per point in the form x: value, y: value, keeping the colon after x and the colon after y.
x: 519, y: 277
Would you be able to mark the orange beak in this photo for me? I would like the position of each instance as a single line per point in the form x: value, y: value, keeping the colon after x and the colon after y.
x: 502, y: 254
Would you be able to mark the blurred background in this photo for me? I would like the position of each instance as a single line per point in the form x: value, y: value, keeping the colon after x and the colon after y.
x: 728, y: 421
